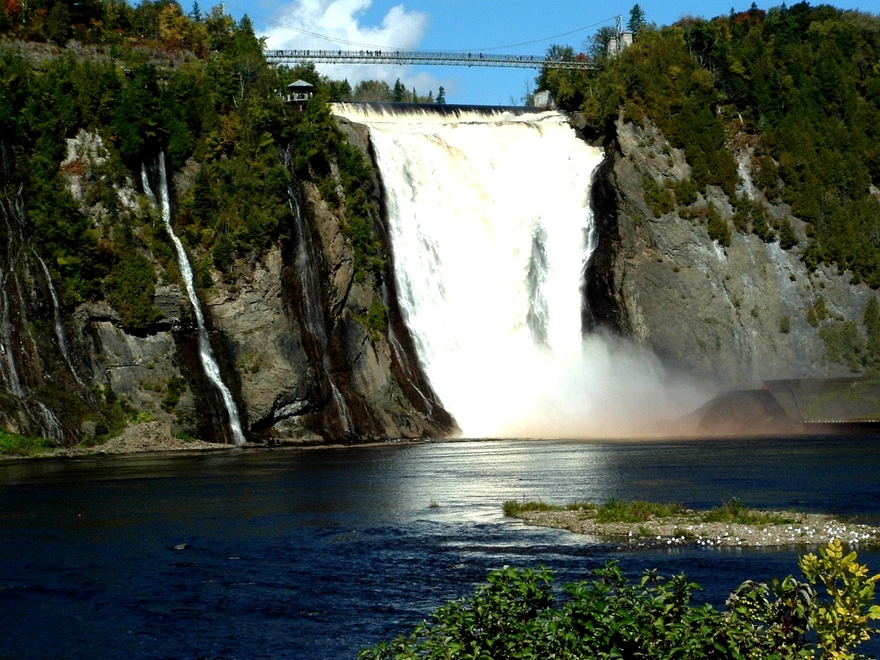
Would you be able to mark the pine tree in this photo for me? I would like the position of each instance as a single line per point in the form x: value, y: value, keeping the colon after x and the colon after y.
x: 398, y: 95
x: 636, y: 19
x: 441, y: 96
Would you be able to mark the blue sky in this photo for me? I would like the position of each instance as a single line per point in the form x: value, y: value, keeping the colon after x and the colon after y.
x: 528, y: 26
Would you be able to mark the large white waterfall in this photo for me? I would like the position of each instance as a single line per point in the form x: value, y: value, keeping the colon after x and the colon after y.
x: 490, y: 224
x: 492, y: 231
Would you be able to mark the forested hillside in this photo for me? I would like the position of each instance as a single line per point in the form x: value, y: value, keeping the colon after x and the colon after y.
x: 91, y: 93
x: 145, y: 80
x: 779, y: 112
x: 800, y: 85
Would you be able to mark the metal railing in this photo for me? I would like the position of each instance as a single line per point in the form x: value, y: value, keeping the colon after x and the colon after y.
x: 421, y: 58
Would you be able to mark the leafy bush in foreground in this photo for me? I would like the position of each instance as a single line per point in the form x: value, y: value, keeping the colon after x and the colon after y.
x: 516, y: 615
x: 12, y: 444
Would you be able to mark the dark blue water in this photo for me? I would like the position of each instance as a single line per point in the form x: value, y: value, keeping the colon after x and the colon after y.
x: 319, y: 553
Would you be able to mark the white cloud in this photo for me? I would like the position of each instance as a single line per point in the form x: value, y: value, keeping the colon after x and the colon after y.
x: 342, y: 22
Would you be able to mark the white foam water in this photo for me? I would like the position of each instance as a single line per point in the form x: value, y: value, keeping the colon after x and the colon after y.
x: 492, y: 231
x: 206, y: 354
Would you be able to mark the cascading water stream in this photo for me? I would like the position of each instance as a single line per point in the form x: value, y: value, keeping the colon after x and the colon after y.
x: 314, y: 313
x: 49, y: 423
x: 209, y: 362
x: 7, y: 356
x: 7, y: 349
x: 59, y: 326
x: 491, y: 227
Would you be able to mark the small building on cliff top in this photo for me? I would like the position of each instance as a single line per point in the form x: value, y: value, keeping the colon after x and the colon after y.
x: 299, y: 92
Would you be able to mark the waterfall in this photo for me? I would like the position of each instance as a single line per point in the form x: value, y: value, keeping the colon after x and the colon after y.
x: 11, y: 217
x: 59, y: 326
x: 312, y: 305
x: 209, y: 362
x: 7, y: 347
x: 52, y: 428
x: 492, y: 231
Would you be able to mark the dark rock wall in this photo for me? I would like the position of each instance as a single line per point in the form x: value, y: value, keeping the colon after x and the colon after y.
x: 294, y: 348
x: 43, y: 369
x: 712, y: 312
x: 297, y: 357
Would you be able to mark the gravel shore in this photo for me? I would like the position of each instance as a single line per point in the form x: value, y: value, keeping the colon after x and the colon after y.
x: 810, y: 529
x: 139, y: 438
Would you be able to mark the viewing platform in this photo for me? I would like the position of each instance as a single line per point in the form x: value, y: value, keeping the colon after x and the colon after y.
x: 423, y: 58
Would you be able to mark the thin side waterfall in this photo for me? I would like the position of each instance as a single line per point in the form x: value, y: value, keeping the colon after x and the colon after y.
x: 59, y: 327
x: 209, y: 362
x: 492, y: 231
x: 7, y: 355
x: 52, y: 428
x: 7, y: 348
x: 314, y: 312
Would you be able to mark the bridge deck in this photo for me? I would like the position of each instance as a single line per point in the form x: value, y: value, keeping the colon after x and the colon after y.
x: 421, y: 57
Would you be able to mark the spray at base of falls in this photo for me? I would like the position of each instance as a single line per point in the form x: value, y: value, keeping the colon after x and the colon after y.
x: 209, y: 362
x: 491, y: 227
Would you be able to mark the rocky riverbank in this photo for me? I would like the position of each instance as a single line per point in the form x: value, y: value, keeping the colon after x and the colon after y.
x: 150, y: 436
x: 804, y: 529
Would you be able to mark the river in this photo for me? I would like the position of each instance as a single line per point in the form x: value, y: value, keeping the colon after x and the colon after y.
x: 318, y: 553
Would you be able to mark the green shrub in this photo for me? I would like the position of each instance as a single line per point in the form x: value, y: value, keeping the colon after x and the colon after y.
x: 130, y: 289
x: 844, y: 344
x: 516, y: 614
x: 637, y: 511
x: 735, y: 512
x: 174, y: 390
x: 685, y: 192
x: 514, y: 507
x: 787, y: 238
x: 377, y: 318
x: 659, y: 199
x: 12, y: 444
x: 718, y: 229
x: 760, y: 226
x: 842, y: 622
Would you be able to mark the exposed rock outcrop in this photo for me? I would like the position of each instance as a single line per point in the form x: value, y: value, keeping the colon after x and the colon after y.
x: 291, y: 328
x: 735, y: 315
x: 298, y: 357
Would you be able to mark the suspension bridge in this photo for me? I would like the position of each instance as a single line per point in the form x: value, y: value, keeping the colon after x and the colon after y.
x: 424, y: 57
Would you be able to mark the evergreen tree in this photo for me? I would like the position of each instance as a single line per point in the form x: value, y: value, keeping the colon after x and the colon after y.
x: 399, y: 92
x: 441, y: 96
x: 636, y: 19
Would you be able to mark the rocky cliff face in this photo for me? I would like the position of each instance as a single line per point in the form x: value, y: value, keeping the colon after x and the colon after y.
x: 289, y: 332
x: 735, y: 314
x: 305, y: 364
x: 39, y: 359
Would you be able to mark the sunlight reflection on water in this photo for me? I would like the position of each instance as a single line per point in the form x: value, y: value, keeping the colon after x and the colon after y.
x: 315, y: 554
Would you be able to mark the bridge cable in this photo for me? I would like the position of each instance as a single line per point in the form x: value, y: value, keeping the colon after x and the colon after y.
x: 359, y: 44
x: 537, y: 41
